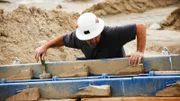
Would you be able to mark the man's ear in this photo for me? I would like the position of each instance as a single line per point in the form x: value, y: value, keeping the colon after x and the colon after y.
x: 77, y: 26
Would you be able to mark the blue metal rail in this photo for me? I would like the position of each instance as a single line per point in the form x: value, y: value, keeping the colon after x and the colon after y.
x: 126, y: 86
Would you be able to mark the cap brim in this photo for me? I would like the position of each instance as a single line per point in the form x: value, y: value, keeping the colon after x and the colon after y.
x: 82, y: 36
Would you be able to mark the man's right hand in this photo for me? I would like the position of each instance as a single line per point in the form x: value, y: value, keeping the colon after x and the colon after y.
x: 40, y: 51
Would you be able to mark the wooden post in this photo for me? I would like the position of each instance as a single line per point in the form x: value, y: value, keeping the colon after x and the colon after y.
x: 133, y: 99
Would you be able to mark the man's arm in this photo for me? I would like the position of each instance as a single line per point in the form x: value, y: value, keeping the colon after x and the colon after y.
x: 57, y: 42
x: 136, y: 57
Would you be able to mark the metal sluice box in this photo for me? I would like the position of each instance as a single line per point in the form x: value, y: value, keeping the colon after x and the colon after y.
x: 101, y: 73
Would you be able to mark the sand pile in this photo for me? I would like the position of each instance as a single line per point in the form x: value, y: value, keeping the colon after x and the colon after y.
x: 157, y: 39
x: 109, y: 7
x: 25, y: 29
x: 173, y: 20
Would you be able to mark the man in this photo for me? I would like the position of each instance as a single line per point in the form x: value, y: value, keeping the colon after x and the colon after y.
x: 99, y: 41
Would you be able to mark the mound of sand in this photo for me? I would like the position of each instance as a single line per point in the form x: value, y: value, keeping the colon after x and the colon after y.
x: 110, y: 7
x: 157, y: 39
x: 25, y: 29
x: 158, y: 47
x: 173, y: 20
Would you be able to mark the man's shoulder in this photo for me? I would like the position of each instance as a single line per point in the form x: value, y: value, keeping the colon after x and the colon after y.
x: 119, y: 26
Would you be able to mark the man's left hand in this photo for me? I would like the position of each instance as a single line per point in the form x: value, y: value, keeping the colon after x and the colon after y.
x: 135, y: 58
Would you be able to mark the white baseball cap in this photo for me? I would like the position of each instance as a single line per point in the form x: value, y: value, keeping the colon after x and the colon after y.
x: 89, y: 26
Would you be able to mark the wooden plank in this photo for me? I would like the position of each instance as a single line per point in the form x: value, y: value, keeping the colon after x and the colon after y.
x: 133, y: 99
x: 167, y: 72
x: 22, y: 75
x: 93, y: 91
x: 58, y: 100
x: 78, y: 71
x: 30, y: 94
x: 131, y: 70
x: 171, y: 91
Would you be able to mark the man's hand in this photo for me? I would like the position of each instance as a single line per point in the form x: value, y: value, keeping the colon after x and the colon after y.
x: 135, y: 58
x: 40, y: 51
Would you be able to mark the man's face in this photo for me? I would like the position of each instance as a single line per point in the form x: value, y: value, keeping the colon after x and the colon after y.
x: 93, y: 42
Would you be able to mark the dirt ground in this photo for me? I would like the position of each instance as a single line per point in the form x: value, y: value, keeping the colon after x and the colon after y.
x: 23, y: 28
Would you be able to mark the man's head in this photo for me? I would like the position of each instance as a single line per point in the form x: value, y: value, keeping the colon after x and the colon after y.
x: 89, y: 28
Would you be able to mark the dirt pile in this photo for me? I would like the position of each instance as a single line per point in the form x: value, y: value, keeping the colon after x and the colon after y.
x: 173, y: 20
x: 157, y: 39
x: 25, y: 29
x: 110, y: 7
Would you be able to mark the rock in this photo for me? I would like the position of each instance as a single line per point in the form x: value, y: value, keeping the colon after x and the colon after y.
x: 30, y: 94
x: 93, y: 91
x: 129, y: 70
x: 16, y: 61
x: 58, y: 6
x: 171, y: 91
x: 22, y: 75
x: 155, y: 26
x: 78, y: 71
